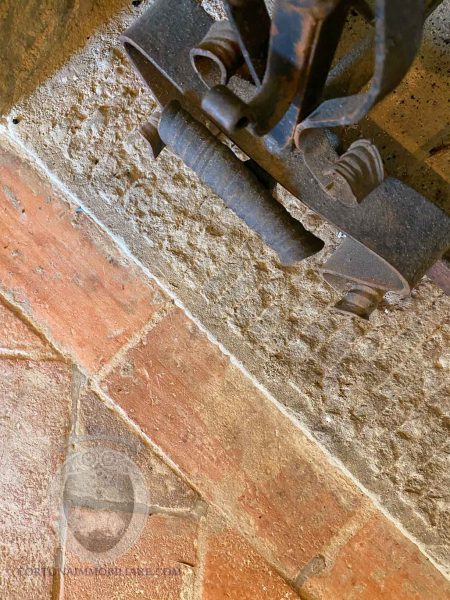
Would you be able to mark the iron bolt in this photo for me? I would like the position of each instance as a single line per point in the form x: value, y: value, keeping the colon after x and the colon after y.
x: 360, y: 301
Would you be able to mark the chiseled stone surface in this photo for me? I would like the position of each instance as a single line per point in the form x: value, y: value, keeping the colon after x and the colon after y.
x: 375, y: 394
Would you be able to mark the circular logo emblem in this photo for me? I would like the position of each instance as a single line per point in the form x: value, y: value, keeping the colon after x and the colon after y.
x: 104, y: 503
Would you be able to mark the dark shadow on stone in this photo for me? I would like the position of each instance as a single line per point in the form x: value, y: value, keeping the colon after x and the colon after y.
x: 39, y: 36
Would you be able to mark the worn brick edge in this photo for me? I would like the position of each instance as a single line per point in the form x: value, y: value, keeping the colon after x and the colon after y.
x: 49, y: 352
x: 69, y: 196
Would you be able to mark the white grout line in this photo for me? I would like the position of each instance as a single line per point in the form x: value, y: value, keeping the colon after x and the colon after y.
x: 134, y: 340
x: 201, y: 556
x: 147, y: 440
x: 335, y: 462
x: 29, y: 355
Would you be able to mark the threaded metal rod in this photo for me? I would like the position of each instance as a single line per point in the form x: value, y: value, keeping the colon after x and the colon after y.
x: 218, y: 56
x: 239, y: 188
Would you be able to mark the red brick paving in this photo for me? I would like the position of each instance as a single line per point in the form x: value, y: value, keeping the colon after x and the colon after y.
x: 283, y: 506
x: 34, y: 418
x: 161, y: 565
x: 378, y: 563
x: 99, y: 426
x: 16, y: 337
x: 233, y: 570
x: 62, y: 268
x: 232, y: 442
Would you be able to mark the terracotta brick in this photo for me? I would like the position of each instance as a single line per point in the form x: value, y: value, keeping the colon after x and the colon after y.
x: 61, y: 267
x: 378, y: 563
x: 100, y: 426
x: 17, y: 337
x: 166, y: 555
x: 34, y: 420
x: 233, y: 443
x: 233, y: 570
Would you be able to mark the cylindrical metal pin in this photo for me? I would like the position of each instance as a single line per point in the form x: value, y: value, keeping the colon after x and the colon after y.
x: 236, y: 184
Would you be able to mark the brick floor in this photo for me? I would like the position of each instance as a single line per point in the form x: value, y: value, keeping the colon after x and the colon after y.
x: 99, y: 425
x: 232, y: 442
x: 242, y: 504
x: 160, y: 565
x: 34, y: 418
x: 56, y: 263
x: 233, y: 570
x: 19, y: 339
x: 377, y: 563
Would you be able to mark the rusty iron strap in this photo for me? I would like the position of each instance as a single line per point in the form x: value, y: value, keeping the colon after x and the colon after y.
x: 303, y: 41
x: 252, y: 23
x: 398, y: 33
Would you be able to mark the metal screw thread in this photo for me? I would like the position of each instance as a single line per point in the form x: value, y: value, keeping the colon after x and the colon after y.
x: 360, y: 301
x: 218, y: 56
x: 362, y: 167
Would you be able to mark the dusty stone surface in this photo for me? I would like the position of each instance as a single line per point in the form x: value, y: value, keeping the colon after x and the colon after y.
x: 376, y: 395
x: 40, y: 35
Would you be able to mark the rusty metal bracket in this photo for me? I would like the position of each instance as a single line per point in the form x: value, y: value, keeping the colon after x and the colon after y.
x: 218, y: 56
x: 398, y: 33
x: 393, y: 234
x: 302, y: 45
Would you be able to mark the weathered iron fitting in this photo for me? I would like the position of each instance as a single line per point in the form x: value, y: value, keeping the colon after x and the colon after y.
x: 393, y: 234
x: 360, y: 301
x: 218, y: 56
x: 237, y: 185
x: 149, y: 132
x: 226, y: 109
x: 361, y: 167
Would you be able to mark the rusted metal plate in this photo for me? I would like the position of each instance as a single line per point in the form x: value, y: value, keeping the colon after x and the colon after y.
x: 397, y: 225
